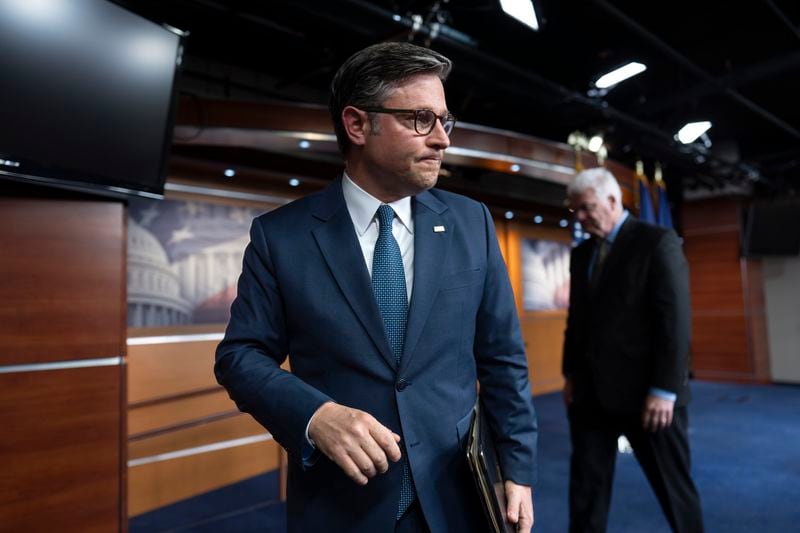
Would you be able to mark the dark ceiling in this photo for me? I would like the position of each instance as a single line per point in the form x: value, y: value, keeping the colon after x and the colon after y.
x: 736, y: 64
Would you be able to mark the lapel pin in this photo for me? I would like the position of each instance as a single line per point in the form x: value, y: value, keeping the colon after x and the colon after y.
x: 438, y: 229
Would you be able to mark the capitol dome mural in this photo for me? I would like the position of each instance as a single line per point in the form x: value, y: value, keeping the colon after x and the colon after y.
x: 184, y: 258
x: 154, y: 292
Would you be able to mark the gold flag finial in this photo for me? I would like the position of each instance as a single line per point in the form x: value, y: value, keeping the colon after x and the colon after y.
x: 578, y: 140
x: 640, y: 177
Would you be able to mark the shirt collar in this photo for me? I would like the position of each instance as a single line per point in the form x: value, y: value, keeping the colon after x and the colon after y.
x: 617, y: 226
x: 362, y: 207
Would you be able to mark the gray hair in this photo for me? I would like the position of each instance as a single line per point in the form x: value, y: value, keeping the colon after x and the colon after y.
x: 600, y: 179
x: 370, y: 75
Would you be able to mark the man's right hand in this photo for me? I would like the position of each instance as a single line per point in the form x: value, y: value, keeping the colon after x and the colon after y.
x: 354, y: 440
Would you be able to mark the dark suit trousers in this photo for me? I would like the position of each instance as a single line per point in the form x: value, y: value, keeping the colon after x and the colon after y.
x: 663, y: 456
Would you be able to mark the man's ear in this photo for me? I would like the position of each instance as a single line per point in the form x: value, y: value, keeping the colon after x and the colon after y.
x: 612, y: 202
x: 356, y: 124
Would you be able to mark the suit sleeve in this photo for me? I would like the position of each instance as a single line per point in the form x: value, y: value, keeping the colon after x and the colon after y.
x: 255, y: 345
x: 669, y: 289
x: 503, y: 369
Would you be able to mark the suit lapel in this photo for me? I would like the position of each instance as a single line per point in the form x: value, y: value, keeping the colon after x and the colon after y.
x: 430, y: 251
x: 338, y: 243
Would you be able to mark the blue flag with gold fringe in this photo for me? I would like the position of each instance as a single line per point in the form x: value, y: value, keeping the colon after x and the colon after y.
x: 664, y: 214
x: 646, y: 212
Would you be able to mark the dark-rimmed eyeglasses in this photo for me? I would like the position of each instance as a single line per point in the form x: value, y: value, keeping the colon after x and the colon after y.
x: 424, y: 119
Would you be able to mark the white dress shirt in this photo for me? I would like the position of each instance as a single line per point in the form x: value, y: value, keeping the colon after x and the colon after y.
x: 363, y: 207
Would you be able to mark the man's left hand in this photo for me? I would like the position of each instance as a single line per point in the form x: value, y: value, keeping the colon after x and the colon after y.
x: 519, y: 506
x: 657, y: 413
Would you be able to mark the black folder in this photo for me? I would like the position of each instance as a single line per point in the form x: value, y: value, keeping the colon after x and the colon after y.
x: 482, y: 459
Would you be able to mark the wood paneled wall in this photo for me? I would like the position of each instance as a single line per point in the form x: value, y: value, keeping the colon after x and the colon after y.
x: 185, y: 436
x: 728, y: 318
x: 542, y: 331
x: 63, y: 290
x: 62, y: 314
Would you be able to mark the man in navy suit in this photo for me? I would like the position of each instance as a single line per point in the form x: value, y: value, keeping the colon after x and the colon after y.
x: 375, y: 423
x: 626, y: 354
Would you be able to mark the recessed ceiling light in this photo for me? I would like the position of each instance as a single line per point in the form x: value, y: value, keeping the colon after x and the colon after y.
x: 620, y: 74
x: 522, y: 10
x: 294, y: 182
x: 538, y: 219
x: 515, y: 168
x: 692, y: 131
x: 509, y: 215
x: 304, y: 144
x: 229, y: 172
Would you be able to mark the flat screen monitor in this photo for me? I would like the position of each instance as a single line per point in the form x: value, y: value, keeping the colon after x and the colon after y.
x: 772, y: 228
x: 87, y: 95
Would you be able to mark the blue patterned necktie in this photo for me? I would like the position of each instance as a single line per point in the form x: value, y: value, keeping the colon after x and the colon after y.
x: 389, y: 285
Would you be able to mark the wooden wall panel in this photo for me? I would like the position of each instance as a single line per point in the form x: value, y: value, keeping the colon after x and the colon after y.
x: 728, y: 323
x: 161, y: 370
x: 544, y: 344
x: 719, y: 343
x: 60, y: 450
x: 63, y: 290
x: 62, y: 303
x: 713, y: 214
x: 214, y: 431
x: 150, y: 417
x: 715, y: 273
x: 177, y: 409
x: 542, y: 331
x: 502, y: 241
x: 513, y: 258
x: 156, y: 484
x: 756, y: 313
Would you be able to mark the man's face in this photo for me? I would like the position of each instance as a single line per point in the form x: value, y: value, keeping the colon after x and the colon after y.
x: 596, y: 215
x: 400, y: 162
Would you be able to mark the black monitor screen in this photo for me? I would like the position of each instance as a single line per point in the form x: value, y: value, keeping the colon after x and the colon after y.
x: 86, y: 94
x: 772, y: 228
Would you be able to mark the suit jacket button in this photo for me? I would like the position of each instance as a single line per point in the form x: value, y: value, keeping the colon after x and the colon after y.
x: 401, y: 385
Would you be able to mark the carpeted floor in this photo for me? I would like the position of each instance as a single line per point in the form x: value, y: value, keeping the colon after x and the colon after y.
x: 745, y: 443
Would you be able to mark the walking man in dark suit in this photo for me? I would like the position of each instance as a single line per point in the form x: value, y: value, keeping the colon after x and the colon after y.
x: 626, y: 357
x: 393, y: 301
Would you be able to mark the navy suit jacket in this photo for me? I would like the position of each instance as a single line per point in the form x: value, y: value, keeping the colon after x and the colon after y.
x: 632, y: 331
x: 305, y: 292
